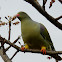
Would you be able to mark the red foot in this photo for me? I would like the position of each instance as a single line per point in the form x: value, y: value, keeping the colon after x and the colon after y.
x: 22, y: 48
x: 49, y: 57
x: 43, y: 50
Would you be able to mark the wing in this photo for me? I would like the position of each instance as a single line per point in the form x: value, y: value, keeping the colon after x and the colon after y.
x: 46, y: 36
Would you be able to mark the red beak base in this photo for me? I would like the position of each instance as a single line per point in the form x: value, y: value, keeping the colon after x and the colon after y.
x: 17, y: 15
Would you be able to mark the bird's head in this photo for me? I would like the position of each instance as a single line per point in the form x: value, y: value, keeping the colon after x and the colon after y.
x: 20, y: 16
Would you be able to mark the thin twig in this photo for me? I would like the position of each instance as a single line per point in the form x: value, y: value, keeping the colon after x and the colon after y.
x: 59, y: 18
x: 43, y: 5
x: 6, y: 18
x: 13, y: 43
x: 9, y: 28
x: 14, y: 55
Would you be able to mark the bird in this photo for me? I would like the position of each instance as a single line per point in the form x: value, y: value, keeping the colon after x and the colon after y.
x: 35, y: 35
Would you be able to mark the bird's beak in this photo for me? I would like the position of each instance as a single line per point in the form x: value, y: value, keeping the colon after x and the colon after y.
x: 14, y: 17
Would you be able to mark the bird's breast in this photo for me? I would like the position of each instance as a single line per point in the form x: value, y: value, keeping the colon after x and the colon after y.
x: 30, y: 31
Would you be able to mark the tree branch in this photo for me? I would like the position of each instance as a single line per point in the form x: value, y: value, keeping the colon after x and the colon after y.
x: 14, y: 55
x: 44, y: 13
x: 4, y: 56
x: 59, y: 18
x: 9, y: 29
x: 30, y: 50
x: 13, y: 43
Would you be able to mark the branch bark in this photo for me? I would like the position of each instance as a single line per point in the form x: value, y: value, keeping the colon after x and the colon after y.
x: 4, y: 56
x: 44, y: 13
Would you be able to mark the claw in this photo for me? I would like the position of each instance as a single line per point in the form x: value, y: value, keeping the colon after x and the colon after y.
x: 43, y: 49
x: 22, y: 48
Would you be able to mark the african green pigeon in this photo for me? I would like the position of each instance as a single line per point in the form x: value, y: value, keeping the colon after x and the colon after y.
x: 35, y: 35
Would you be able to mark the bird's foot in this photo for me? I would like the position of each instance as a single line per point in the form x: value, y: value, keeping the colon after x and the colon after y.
x: 26, y: 46
x: 22, y: 48
x: 49, y: 57
x: 43, y: 49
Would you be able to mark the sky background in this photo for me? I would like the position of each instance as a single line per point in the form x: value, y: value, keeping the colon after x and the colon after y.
x: 12, y: 7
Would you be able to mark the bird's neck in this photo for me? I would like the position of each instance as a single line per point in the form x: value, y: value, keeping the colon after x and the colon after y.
x: 26, y: 22
x: 27, y: 19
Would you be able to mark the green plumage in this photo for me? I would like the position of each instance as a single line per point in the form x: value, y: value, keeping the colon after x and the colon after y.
x: 34, y: 34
